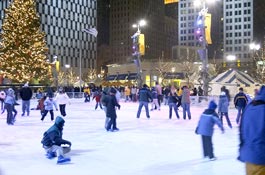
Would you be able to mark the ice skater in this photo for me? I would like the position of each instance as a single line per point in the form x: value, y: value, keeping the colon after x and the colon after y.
x: 173, y: 102
x: 62, y: 99
x: 223, y: 108
x: 52, y: 142
x: 205, y: 128
x: 154, y: 104
x: 144, y: 97
x: 97, y: 96
x: 48, y: 106
x: 9, y: 106
x: 240, y: 102
x: 111, y: 104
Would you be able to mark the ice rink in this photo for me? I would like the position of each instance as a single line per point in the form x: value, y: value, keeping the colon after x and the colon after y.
x: 157, y: 146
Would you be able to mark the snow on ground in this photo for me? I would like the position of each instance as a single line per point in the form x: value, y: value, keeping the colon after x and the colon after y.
x: 157, y: 146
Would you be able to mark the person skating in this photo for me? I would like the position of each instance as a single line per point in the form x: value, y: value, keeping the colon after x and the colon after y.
x: 2, y: 99
x: 205, y: 128
x: 62, y: 99
x: 173, y: 102
x: 252, y: 135
x: 111, y: 103
x: 48, y: 106
x: 52, y: 142
x: 9, y: 106
x: 223, y: 108
x: 97, y: 96
x: 144, y: 97
x: 154, y: 104
x: 240, y: 102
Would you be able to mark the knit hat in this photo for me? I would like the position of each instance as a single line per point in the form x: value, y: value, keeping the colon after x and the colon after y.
x: 113, y: 90
x: 212, y: 105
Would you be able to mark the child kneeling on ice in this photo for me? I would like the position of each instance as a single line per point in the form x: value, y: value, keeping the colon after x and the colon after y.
x: 205, y: 128
x: 52, y: 141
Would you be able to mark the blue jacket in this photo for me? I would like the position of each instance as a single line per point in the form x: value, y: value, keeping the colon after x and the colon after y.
x: 252, y: 135
x: 145, y: 95
x: 154, y: 94
x: 207, y: 121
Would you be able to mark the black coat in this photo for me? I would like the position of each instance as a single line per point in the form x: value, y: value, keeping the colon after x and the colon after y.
x: 25, y: 93
x: 111, y: 103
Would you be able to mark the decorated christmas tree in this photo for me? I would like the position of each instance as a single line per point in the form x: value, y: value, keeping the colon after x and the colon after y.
x: 23, y: 46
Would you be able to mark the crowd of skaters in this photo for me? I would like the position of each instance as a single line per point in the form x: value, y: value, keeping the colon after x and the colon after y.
x: 108, y: 99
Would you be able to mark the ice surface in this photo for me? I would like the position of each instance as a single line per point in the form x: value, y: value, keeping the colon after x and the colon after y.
x: 157, y: 146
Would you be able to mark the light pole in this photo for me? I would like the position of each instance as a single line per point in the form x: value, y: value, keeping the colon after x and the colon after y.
x: 203, y: 52
x: 93, y: 32
x: 136, y: 51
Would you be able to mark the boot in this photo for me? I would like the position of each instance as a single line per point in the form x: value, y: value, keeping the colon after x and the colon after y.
x: 51, y: 155
x: 62, y: 159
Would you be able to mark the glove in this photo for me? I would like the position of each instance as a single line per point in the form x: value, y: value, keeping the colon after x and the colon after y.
x: 119, y: 107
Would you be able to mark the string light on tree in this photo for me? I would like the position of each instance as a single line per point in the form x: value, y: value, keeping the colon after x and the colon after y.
x: 23, y: 44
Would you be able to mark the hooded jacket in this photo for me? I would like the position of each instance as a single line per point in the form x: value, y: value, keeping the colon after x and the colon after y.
x: 207, y: 121
x: 223, y: 103
x: 252, y: 127
x: 53, y: 136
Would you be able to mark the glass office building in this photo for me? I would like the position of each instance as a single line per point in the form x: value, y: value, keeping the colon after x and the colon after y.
x: 63, y: 22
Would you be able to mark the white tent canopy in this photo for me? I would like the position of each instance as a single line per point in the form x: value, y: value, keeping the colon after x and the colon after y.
x: 232, y: 80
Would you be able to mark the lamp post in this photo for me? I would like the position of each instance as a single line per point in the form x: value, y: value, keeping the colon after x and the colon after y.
x: 203, y: 52
x: 93, y: 32
x: 136, y: 51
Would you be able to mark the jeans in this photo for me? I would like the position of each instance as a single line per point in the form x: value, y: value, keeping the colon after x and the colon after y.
x: 9, y: 109
x: 174, y: 106
x: 207, y: 146
x: 141, y: 104
x: 98, y: 103
x: 25, y: 106
x: 186, y: 109
x: 58, y: 149
x: 46, y: 112
x: 239, y: 113
x: 62, y: 109
x: 227, y: 118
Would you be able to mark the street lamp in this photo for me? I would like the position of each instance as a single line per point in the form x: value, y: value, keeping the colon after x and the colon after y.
x: 231, y: 57
x: 138, y: 50
x: 94, y: 32
x: 203, y: 52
